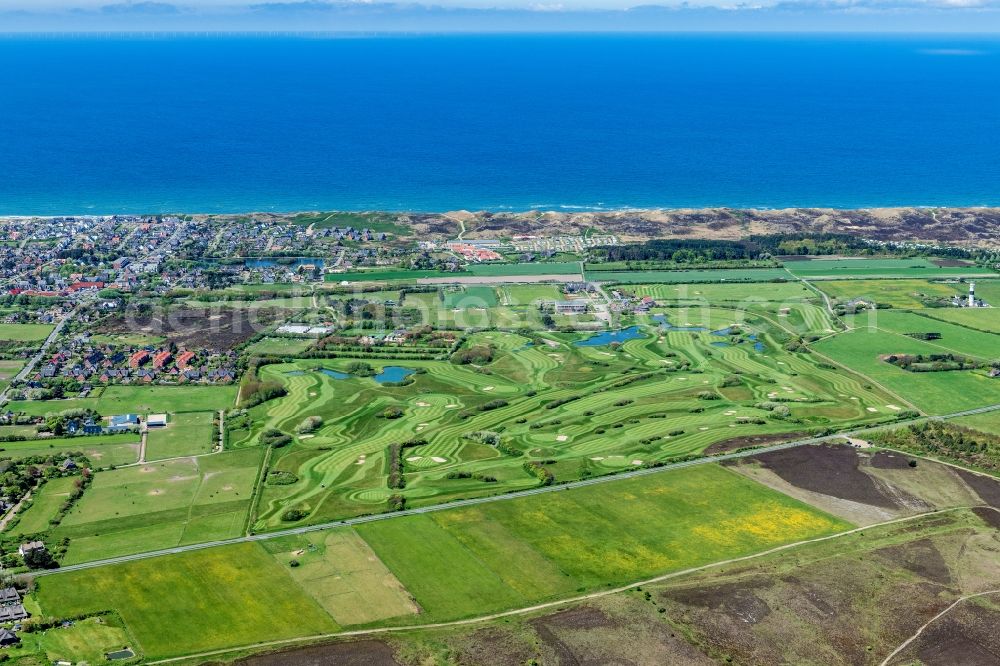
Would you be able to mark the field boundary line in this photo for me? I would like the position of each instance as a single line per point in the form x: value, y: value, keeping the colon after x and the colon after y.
x: 931, y: 621
x: 571, y: 600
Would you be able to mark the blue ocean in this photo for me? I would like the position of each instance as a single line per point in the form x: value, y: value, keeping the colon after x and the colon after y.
x: 425, y: 123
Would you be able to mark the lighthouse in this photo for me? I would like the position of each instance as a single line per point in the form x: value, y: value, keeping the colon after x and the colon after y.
x: 972, y: 294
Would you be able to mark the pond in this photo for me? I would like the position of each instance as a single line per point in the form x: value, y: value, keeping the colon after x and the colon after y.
x: 124, y: 653
x: 393, y: 374
x: 607, y: 337
x: 335, y: 374
x: 662, y: 320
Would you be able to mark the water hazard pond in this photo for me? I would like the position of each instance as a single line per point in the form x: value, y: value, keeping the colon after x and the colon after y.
x: 608, y: 337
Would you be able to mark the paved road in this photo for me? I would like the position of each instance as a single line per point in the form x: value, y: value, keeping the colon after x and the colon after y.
x: 501, y: 498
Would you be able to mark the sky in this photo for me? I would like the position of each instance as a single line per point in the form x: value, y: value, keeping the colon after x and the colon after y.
x: 948, y: 16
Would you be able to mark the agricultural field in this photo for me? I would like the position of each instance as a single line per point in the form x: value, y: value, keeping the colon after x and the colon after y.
x: 537, y: 268
x: 953, y: 338
x: 931, y: 392
x: 446, y: 565
x: 186, y: 434
x: 917, y: 267
x: 980, y: 319
x: 902, y: 293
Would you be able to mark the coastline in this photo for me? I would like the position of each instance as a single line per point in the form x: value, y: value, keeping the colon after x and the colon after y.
x: 958, y: 225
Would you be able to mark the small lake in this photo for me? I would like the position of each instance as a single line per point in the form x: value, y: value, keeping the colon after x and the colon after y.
x: 662, y: 320
x: 607, y: 337
x: 393, y: 374
x: 335, y: 374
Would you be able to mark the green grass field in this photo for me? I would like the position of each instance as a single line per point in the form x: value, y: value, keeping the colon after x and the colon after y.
x: 537, y: 268
x: 904, y: 293
x: 691, y: 276
x: 917, y: 267
x: 101, y: 450
x: 186, y: 434
x: 195, y: 601
x: 137, y: 400
x: 447, y: 565
x: 275, y: 346
x: 25, y: 332
x: 45, y: 503
x: 932, y: 392
x: 980, y: 319
x: 161, y: 504
x: 954, y: 338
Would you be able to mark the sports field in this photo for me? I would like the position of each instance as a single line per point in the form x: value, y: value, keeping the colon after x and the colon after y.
x: 101, y: 450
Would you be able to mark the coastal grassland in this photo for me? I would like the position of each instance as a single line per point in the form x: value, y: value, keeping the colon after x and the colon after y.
x: 691, y: 276
x: 186, y: 434
x: 916, y: 267
x: 161, y: 504
x: 378, y: 222
x: 137, y: 400
x: 986, y: 422
x: 45, y: 503
x: 902, y: 293
x: 989, y: 291
x: 469, y: 561
x: 194, y: 601
x: 932, y: 392
x: 101, y: 450
x: 954, y: 338
x: 980, y: 319
x: 577, y: 411
x: 25, y: 332
x: 133, y: 339
x: 275, y: 346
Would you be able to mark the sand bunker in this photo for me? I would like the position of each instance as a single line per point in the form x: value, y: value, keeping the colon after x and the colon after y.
x: 871, y: 409
x: 636, y: 462
x: 561, y: 438
x: 598, y: 458
x: 423, y: 404
x: 488, y: 388
x: 439, y: 459
x: 894, y: 408
x: 414, y: 458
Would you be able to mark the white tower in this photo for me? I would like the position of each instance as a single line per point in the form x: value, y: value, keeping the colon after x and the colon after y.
x: 972, y: 294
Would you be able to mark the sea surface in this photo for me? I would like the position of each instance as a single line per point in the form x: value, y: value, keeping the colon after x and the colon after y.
x: 432, y: 123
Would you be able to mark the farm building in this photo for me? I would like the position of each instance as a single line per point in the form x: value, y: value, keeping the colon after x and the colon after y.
x: 9, y: 595
x: 125, y: 420
x: 156, y: 421
x: 12, y: 613
x: 8, y: 637
x: 575, y: 306
x: 30, y: 547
